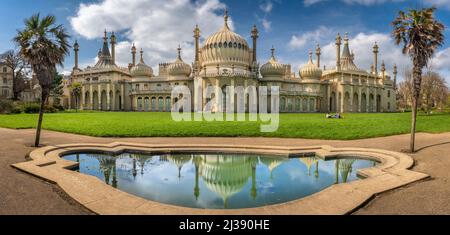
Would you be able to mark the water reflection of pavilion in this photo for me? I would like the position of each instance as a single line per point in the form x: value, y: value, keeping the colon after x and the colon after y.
x: 223, y: 175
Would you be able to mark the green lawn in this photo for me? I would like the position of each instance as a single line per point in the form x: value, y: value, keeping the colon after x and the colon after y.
x: 312, y: 126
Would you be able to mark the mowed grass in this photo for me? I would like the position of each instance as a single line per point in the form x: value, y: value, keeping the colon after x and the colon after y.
x: 311, y: 126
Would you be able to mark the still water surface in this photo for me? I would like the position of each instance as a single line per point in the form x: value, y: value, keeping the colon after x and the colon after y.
x: 218, y: 181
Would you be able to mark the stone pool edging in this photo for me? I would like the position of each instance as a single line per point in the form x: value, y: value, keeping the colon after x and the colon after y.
x: 92, y: 193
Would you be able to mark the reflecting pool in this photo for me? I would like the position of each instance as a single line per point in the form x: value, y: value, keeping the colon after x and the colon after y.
x: 218, y: 181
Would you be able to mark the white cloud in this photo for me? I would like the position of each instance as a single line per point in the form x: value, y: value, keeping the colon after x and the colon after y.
x: 360, y: 2
x: 266, y: 6
x: 299, y: 42
x: 157, y: 26
x: 267, y: 25
x: 439, y: 3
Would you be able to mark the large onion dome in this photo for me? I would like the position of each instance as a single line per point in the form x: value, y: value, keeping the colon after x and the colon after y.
x: 141, y: 69
x: 226, y: 175
x: 225, y: 47
x: 179, y: 67
x: 272, y: 68
x: 310, y: 71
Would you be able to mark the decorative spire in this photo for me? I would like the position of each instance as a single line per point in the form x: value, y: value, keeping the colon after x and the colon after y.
x: 272, y: 52
x: 99, y: 53
x: 255, y: 32
x: 196, y: 31
x: 375, y: 48
x: 226, y: 18
x: 76, y: 47
x: 310, y: 57
x: 179, y: 52
x: 105, y: 37
x: 113, y: 38
x: 346, y: 38
x: 318, y: 53
x: 142, y: 55
x: 338, y: 39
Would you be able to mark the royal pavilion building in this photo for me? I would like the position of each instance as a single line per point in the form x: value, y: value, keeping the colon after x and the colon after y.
x: 225, y: 59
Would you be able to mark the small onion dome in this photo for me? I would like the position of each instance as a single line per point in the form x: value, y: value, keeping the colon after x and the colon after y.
x: 141, y: 69
x: 179, y: 68
x: 310, y: 70
x: 272, y: 68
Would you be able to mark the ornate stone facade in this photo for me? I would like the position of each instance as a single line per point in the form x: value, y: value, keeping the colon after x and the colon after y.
x: 226, y: 60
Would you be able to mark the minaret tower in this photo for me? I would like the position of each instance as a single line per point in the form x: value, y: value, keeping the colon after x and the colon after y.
x: 375, y: 59
x: 383, y: 70
x: 255, y: 35
x: 76, y: 48
x: 133, y: 55
x: 395, y: 77
x: 318, y: 53
x: 338, y: 52
x: 113, y: 47
x: 197, y: 50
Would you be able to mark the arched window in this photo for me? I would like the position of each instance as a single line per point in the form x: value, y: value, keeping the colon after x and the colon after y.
x: 235, y: 45
x: 215, y: 45
x: 160, y: 104
x: 220, y: 45
x: 5, y: 81
x: 239, y: 46
x: 225, y: 45
x: 230, y: 44
x: 389, y: 94
x: 5, y: 69
x: 168, y: 104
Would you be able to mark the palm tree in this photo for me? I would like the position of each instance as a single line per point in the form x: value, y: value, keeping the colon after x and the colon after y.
x: 421, y: 34
x: 75, y: 89
x: 43, y: 44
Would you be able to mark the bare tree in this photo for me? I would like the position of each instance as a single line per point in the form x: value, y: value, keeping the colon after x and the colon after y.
x: 405, y: 91
x: 17, y: 64
x: 434, y: 91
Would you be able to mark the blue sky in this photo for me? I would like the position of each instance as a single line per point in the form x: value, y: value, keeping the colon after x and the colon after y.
x: 292, y: 26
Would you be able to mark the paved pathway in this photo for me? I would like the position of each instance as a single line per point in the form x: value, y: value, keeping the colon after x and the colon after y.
x: 24, y: 194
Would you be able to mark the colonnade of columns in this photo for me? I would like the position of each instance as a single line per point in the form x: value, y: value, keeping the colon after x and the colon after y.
x: 295, y: 104
x: 357, y: 100
x: 162, y: 103
x: 102, y: 96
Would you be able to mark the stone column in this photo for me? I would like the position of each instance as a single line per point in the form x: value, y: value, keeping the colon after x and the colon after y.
x: 91, y: 96
x: 246, y: 109
x: 308, y: 104
x: 114, y: 97
x: 231, y: 95
x: 82, y: 101
x: 108, y: 99
x: 359, y: 99
x: 351, y: 98
x: 375, y: 105
x: 218, y: 97
x: 122, y: 98
x: 368, y: 101
x: 328, y: 96
x: 99, y: 95
x: 204, y: 94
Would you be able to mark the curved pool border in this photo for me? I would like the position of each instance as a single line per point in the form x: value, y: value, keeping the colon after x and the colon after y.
x: 92, y: 193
